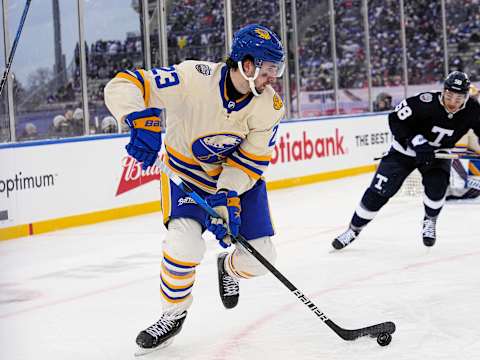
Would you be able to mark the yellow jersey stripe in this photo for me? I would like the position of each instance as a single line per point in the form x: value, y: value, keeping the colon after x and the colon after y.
x: 177, y: 287
x: 181, y: 156
x: 177, y: 277
x: 253, y: 156
x: 173, y: 301
x: 189, y: 178
x: 181, y: 263
x: 250, y: 173
x: 132, y: 79
x: 214, y: 172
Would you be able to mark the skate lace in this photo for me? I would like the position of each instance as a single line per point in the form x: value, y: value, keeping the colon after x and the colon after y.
x: 347, y: 237
x: 429, y: 228
x: 230, y: 286
x: 162, y: 326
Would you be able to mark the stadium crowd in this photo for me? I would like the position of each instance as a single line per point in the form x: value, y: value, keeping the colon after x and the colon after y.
x: 195, y: 29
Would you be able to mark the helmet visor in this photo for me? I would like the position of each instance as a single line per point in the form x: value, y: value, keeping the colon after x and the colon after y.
x: 272, y: 69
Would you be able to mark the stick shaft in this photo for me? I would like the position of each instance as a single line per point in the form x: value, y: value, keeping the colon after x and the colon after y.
x: 14, y: 47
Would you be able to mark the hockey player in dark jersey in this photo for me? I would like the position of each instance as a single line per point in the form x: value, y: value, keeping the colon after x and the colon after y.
x: 420, y: 125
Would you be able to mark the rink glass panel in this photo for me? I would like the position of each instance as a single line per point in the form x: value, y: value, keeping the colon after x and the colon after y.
x: 386, y: 54
x: 4, y: 119
x: 351, y: 57
x: 154, y: 19
x: 317, y: 95
x: 464, y: 46
x: 424, y: 40
x: 114, y: 43
x: 195, y: 30
x: 45, y: 84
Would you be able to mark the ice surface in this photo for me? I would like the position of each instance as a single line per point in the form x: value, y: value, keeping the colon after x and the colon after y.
x: 84, y: 293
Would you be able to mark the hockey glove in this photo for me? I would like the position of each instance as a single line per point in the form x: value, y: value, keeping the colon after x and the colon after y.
x: 227, y: 205
x: 145, y: 136
x: 425, y: 153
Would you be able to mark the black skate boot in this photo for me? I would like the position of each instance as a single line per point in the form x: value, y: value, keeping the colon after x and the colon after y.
x: 228, y: 286
x: 344, y: 239
x: 160, y: 334
x: 428, y: 231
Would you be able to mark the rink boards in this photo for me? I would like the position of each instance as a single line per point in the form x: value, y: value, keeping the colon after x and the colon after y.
x: 51, y: 185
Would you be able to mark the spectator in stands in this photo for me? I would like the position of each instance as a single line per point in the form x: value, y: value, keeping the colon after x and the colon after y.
x: 59, y: 128
x: 109, y: 125
x: 78, y: 121
x: 383, y: 102
x: 29, y: 132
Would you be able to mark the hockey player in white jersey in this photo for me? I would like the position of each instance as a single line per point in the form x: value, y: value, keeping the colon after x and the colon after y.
x: 222, y: 121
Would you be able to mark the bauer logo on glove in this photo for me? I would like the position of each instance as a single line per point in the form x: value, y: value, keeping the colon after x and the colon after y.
x: 145, y: 136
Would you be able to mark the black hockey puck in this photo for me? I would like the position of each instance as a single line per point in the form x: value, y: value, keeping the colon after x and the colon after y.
x: 384, y: 339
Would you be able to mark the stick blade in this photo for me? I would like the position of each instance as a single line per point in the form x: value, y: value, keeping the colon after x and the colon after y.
x: 372, y: 331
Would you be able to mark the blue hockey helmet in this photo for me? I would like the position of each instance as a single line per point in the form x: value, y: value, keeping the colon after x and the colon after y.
x: 457, y: 81
x: 261, y: 44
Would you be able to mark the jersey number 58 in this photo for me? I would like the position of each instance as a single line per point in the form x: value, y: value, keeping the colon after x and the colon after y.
x: 403, y: 110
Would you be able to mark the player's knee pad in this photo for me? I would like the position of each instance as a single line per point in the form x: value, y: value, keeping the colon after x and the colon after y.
x: 372, y: 200
x: 244, y: 265
x: 184, y: 241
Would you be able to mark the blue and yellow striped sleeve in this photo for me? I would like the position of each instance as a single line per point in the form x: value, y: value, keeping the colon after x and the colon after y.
x: 140, y: 80
x: 251, y: 164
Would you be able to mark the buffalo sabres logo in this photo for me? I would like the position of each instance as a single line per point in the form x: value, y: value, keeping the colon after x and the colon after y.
x: 277, y: 102
x: 215, y: 148
x: 263, y: 34
x: 203, y: 69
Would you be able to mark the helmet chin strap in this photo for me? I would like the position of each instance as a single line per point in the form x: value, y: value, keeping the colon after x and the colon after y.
x: 251, y: 80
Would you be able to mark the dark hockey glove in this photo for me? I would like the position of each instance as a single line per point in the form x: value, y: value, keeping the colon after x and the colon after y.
x: 227, y: 205
x: 145, y: 136
x: 425, y: 153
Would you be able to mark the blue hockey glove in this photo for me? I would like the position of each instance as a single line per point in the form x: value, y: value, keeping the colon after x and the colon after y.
x: 425, y: 153
x: 145, y: 136
x: 227, y: 205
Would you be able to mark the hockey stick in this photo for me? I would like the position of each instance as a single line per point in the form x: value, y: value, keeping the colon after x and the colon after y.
x: 14, y: 47
x: 446, y: 156
x: 382, y: 330
x: 466, y: 156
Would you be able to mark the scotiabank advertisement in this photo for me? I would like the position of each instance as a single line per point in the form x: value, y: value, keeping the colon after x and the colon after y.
x: 54, y: 180
x: 311, y: 147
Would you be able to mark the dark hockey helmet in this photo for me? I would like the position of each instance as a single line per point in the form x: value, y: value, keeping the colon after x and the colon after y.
x: 457, y: 81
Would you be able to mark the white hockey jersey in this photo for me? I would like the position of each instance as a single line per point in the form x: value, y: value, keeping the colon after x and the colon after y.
x: 210, y: 141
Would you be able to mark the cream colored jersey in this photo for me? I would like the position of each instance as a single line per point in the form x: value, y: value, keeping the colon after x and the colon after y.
x: 210, y: 141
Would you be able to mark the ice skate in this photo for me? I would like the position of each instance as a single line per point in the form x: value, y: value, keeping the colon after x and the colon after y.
x: 228, y: 286
x: 428, y: 231
x: 344, y: 239
x: 160, y: 334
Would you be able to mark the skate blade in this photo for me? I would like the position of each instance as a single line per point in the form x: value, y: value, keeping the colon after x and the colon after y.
x: 141, y: 351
